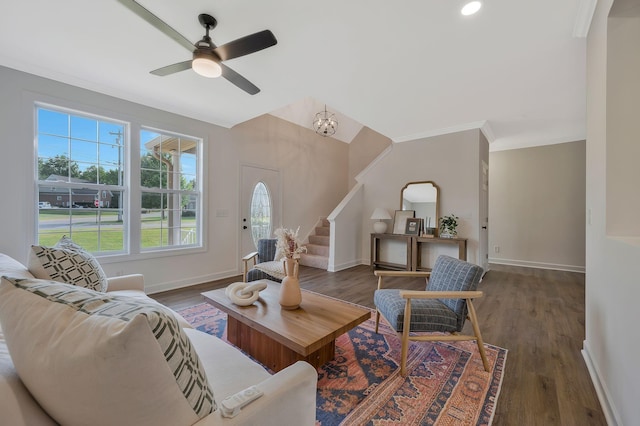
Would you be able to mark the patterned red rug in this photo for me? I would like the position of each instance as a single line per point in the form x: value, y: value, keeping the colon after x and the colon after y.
x: 446, y: 383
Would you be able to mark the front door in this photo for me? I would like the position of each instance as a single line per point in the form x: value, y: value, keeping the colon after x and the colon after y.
x: 260, y: 205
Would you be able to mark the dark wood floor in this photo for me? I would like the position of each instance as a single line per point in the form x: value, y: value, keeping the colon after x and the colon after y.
x: 538, y: 315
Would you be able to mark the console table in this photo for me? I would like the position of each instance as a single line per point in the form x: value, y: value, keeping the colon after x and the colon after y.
x: 414, y: 250
x: 375, y: 251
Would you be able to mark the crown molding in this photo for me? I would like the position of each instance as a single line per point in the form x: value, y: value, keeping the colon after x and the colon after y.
x: 442, y: 131
x: 586, y: 9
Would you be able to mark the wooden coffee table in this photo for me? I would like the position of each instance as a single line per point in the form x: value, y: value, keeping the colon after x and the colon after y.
x: 277, y: 337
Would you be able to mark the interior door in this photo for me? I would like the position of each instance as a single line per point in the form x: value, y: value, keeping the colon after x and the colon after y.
x: 260, y: 205
x: 483, y: 248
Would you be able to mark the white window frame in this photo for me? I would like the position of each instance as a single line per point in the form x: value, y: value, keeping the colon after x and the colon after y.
x: 131, y: 181
x: 198, y: 191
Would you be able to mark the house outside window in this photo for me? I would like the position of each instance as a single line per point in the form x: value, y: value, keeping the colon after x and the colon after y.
x: 84, y: 191
x: 80, y: 168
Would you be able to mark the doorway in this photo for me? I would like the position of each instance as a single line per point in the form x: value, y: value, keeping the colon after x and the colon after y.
x: 260, y: 205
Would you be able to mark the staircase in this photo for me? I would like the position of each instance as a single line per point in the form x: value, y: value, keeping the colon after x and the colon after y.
x: 317, y: 255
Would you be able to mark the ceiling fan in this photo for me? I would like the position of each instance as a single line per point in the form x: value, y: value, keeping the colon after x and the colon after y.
x: 207, y: 58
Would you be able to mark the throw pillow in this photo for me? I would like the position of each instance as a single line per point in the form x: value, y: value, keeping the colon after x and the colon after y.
x: 93, y: 358
x: 69, y: 263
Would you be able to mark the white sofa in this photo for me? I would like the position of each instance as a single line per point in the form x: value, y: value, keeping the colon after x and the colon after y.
x: 289, y: 396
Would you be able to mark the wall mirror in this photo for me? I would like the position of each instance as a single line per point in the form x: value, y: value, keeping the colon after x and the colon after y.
x: 423, y: 198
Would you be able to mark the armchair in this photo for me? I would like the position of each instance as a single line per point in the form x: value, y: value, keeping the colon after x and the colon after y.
x: 443, y: 307
x: 262, y: 264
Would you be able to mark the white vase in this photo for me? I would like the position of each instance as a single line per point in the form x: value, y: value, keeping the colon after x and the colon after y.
x: 447, y: 233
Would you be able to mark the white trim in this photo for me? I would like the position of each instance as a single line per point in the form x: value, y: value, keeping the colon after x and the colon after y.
x: 581, y: 25
x: 343, y: 266
x: 609, y: 411
x: 541, y: 265
x: 505, y: 144
x: 174, y: 285
x: 487, y: 130
x: 444, y: 131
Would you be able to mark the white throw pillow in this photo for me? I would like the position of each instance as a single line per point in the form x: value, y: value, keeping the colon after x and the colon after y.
x: 69, y: 263
x: 98, y: 359
x: 273, y: 268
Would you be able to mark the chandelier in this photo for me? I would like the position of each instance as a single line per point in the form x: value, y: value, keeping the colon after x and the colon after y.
x: 325, y: 123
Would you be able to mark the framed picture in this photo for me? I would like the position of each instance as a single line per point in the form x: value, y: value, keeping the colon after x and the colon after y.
x: 413, y: 226
x: 400, y: 220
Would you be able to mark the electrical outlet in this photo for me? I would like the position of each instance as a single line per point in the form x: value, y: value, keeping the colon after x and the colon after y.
x: 496, y: 249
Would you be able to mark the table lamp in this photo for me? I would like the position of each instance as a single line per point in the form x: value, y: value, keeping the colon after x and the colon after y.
x: 380, y: 214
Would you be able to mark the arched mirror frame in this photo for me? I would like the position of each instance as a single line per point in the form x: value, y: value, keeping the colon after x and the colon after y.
x: 437, y: 209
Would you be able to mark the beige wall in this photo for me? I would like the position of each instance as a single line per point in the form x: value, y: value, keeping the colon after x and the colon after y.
x: 611, y: 345
x: 536, y: 207
x: 314, y: 172
x: 313, y: 168
x: 623, y: 125
x: 363, y: 149
x: 451, y: 161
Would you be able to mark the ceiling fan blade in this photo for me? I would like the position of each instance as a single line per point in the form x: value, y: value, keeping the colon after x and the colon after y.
x: 239, y: 80
x: 245, y: 45
x: 157, y: 22
x: 171, y: 69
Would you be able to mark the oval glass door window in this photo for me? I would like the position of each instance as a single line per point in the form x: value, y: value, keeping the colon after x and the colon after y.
x: 260, y: 213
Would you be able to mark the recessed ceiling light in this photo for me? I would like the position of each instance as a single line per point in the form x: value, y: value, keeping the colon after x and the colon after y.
x: 471, y: 8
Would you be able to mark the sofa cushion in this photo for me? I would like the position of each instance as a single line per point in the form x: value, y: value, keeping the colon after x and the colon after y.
x: 236, y: 373
x: 94, y: 358
x: 69, y: 263
x: 11, y: 267
x: 17, y: 407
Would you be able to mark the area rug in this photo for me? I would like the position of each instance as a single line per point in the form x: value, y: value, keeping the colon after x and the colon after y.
x: 445, y: 385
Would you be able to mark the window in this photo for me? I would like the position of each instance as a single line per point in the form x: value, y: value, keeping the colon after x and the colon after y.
x: 169, y: 190
x: 84, y: 190
x: 260, y: 213
x: 80, y: 180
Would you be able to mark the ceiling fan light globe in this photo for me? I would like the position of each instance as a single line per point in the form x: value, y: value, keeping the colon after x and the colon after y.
x: 206, y: 67
x: 471, y: 8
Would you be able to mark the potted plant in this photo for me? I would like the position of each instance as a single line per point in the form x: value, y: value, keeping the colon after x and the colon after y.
x: 448, y: 226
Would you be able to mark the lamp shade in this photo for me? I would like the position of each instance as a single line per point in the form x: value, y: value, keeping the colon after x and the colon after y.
x: 380, y: 214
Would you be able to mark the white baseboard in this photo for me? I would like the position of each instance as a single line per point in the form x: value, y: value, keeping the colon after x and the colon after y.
x: 601, y: 389
x: 344, y: 265
x: 541, y: 265
x: 174, y: 285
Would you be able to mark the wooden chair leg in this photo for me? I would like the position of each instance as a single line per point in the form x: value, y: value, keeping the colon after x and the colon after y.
x: 476, y: 331
x: 377, y: 319
x: 405, y: 338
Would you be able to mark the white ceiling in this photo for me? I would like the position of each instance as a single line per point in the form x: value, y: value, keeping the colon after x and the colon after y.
x: 405, y: 69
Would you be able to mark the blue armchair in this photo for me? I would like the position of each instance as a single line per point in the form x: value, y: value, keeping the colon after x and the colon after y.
x: 443, y: 307
x: 262, y: 264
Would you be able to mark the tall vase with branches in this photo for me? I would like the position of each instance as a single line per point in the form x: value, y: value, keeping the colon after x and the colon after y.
x: 290, y: 246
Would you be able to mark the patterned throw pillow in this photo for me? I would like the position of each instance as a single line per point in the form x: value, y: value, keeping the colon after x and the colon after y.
x: 109, y: 359
x: 69, y: 263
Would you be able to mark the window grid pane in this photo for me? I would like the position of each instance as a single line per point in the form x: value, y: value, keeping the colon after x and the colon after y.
x: 82, y: 188
x: 260, y: 213
x: 72, y: 198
